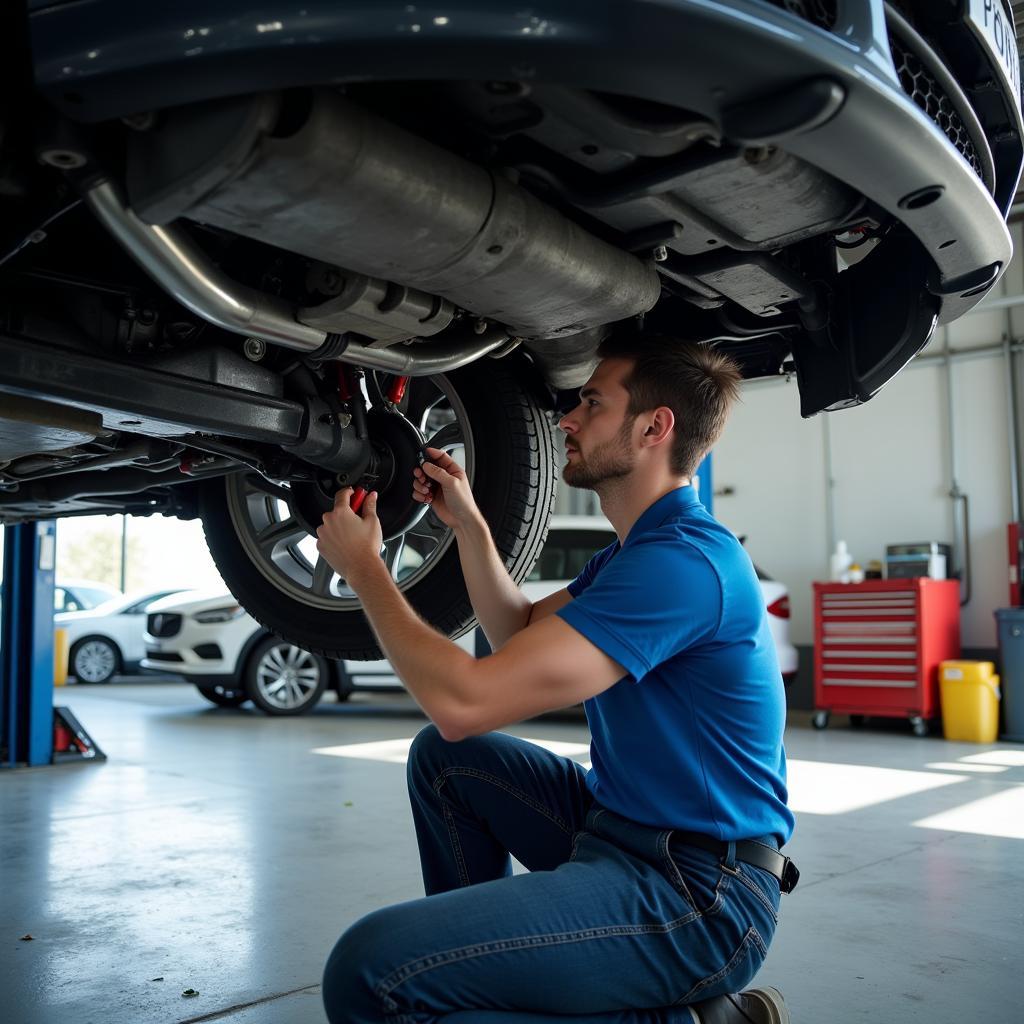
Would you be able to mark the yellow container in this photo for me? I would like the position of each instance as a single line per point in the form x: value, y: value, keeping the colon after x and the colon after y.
x: 970, y: 701
x: 60, y: 656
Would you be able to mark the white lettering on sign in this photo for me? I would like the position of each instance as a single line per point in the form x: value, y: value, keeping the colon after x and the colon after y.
x: 991, y: 24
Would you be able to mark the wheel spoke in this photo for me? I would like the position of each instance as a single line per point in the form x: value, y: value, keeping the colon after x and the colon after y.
x: 322, y: 576
x: 428, y: 526
x: 276, y: 534
x: 393, y: 553
x: 448, y: 437
x: 422, y: 398
x: 275, y: 660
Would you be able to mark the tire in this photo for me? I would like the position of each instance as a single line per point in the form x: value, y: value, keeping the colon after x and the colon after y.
x: 282, y: 679
x: 512, y: 464
x: 820, y: 719
x: 223, y: 697
x: 94, y: 659
x: 343, y: 685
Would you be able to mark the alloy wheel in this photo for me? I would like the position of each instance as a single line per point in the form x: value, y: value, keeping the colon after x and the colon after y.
x: 287, y: 676
x: 95, y: 662
x: 273, y: 521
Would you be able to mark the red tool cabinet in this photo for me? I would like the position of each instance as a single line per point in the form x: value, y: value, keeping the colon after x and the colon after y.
x: 878, y: 644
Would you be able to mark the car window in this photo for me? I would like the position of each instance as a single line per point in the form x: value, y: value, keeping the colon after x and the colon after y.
x: 567, y: 552
x: 64, y: 602
x: 140, y: 607
x: 89, y: 597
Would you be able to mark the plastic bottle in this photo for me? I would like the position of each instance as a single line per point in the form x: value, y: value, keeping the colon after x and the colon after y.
x: 856, y: 573
x: 839, y: 565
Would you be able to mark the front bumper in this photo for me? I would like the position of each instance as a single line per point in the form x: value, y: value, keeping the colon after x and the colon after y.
x: 194, y: 650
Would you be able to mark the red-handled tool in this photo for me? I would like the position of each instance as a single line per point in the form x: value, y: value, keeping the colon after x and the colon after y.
x: 358, y: 497
x: 397, y: 390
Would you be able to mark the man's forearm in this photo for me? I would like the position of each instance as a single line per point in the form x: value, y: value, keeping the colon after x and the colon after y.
x: 435, y: 670
x: 501, y: 607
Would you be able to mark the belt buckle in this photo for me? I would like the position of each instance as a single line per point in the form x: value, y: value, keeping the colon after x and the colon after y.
x: 790, y: 876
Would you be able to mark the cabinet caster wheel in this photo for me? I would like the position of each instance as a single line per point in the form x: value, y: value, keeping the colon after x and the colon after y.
x: 920, y: 726
x: 820, y: 719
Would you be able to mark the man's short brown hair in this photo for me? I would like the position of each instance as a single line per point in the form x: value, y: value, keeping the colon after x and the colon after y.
x: 698, y: 383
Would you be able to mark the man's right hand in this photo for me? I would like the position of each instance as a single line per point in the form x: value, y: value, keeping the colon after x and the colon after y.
x: 441, y: 483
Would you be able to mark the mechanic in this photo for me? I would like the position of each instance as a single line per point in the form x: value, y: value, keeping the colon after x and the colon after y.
x: 654, y: 878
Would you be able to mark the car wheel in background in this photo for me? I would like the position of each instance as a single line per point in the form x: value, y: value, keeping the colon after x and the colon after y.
x: 282, y: 679
x: 94, y: 659
x: 223, y: 696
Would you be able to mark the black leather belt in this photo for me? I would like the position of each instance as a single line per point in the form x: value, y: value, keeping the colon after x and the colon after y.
x: 757, y: 854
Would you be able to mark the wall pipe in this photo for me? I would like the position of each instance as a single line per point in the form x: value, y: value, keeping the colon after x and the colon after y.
x: 959, y: 497
x: 1012, y: 420
x: 831, y: 531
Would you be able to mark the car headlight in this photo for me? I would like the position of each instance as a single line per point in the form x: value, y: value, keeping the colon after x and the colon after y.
x: 228, y: 613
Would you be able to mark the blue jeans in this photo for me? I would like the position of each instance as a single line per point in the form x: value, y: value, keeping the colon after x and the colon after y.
x: 613, y: 924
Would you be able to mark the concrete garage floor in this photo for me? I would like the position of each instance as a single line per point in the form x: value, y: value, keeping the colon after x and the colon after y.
x: 224, y: 851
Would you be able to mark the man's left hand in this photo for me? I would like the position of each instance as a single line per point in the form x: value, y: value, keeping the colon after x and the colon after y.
x: 351, y: 541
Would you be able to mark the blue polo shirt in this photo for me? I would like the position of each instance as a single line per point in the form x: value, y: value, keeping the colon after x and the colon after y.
x: 691, y: 738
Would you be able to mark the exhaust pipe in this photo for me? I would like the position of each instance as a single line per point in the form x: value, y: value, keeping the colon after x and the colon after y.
x: 181, y: 267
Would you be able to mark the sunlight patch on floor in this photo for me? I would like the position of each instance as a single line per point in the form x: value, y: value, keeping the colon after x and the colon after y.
x: 1001, y: 814
x: 397, y: 751
x: 960, y: 766
x: 1007, y: 758
x: 820, y: 787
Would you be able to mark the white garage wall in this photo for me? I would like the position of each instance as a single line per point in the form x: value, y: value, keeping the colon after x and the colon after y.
x: 892, y: 469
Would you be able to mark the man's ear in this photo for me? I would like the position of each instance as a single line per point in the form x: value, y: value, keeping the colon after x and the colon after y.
x: 659, y: 428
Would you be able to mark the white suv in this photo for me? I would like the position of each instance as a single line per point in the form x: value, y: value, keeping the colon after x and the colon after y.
x: 212, y: 641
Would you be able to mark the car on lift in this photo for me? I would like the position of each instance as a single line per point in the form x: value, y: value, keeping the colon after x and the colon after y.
x: 108, y: 638
x: 247, y: 260
x: 230, y: 658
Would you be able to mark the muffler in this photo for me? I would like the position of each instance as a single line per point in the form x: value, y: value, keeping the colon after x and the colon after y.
x: 320, y: 176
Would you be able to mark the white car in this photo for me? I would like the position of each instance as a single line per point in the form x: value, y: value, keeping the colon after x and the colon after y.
x: 78, y: 595
x: 231, y: 658
x: 108, y: 638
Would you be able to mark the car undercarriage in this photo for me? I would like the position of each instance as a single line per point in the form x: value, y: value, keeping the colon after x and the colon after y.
x: 234, y: 279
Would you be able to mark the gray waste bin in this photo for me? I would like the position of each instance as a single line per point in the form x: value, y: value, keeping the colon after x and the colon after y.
x: 1011, y: 656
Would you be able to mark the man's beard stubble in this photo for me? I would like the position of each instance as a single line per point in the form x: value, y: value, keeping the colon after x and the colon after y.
x: 612, y: 460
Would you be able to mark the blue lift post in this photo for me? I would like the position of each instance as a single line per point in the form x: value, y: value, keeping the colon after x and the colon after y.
x: 26, y: 645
